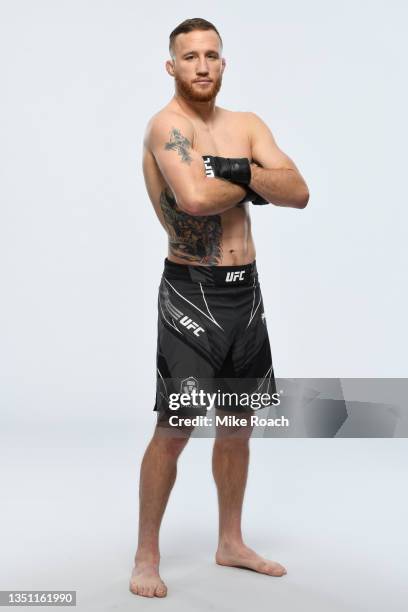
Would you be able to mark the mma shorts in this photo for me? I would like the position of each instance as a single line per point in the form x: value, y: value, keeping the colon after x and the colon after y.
x: 211, y: 327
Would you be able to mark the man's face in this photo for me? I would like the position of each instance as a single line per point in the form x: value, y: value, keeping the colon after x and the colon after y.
x: 197, y: 66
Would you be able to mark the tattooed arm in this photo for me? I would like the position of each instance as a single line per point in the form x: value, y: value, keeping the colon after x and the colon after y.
x: 169, y: 137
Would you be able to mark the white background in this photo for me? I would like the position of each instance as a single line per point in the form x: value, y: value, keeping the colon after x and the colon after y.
x: 81, y: 251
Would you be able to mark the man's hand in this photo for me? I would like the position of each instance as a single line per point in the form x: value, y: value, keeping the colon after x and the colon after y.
x: 255, y: 198
x: 235, y: 170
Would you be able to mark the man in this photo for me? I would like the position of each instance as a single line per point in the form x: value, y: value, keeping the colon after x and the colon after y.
x: 203, y: 166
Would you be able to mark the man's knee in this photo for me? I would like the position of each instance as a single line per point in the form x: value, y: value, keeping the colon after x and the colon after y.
x: 169, y: 443
x: 230, y: 443
x: 234, y: 436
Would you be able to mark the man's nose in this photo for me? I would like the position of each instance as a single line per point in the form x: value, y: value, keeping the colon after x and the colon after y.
x: 202, y: 67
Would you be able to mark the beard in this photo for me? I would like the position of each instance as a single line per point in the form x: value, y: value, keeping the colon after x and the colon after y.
x: 191, y: 91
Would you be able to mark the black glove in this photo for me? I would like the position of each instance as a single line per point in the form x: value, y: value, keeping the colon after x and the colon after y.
x: 234, y: 169
x: 252, y: 197
x: 255, y: 198
x: 228, y: 168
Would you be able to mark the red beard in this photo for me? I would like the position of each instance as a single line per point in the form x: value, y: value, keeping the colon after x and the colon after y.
x: 192, y: 93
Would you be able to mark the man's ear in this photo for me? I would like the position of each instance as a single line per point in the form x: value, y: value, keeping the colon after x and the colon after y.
x: 170, y: 67
x: 223, y: 64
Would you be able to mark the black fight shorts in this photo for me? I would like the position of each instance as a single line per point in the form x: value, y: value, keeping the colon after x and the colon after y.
x: 211, y: 330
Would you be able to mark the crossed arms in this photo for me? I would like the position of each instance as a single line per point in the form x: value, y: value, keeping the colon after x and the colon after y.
x: 274, y: 175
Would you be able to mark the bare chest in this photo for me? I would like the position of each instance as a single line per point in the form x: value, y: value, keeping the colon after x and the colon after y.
x: 228, y: 139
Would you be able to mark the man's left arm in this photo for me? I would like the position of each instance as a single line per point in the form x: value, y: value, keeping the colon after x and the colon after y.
x: 274, y: 175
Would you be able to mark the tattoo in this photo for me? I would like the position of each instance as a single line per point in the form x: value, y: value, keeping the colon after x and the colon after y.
x: 179, y: 143
x: 195, y: 239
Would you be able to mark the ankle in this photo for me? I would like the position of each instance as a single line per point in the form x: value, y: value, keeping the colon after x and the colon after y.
x: 147, y: 557
x: 227, y: 542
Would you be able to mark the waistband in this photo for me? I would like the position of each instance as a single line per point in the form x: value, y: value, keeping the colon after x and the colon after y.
x: 226, y: 276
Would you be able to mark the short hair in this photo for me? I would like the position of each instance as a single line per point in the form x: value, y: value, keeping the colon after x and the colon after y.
x: 189, y: 25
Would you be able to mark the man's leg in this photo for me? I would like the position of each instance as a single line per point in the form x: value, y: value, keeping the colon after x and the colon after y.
x: 230, y: 469
x: 157, y: 476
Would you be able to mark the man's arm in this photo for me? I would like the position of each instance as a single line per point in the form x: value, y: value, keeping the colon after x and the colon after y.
x: 276, y: 178
x: 169, y: 137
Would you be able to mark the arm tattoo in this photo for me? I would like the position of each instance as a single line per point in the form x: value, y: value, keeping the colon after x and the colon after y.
x: 179, y: 143
x: 195, y: 239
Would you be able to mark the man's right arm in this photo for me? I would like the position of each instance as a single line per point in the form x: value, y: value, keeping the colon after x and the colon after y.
x: 169, y: 137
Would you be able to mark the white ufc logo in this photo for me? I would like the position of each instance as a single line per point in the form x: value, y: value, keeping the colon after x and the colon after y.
x: 190, y: 324
x: 208, y: 168
x: 234, y: 276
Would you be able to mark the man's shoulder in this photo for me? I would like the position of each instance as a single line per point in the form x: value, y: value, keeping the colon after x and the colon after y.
x: 164, y: 120
x: 248, y: 118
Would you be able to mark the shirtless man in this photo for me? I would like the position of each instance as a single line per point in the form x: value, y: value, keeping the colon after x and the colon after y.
x: 203, y: 166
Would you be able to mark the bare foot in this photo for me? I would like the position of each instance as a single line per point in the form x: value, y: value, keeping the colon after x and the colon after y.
x: 239, y: 555
x: 146, y: 581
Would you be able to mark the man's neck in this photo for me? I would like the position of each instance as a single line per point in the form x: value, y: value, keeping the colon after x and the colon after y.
x: 196, y: 110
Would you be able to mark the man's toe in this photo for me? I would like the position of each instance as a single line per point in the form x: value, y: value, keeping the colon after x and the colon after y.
x: 161, y: 591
